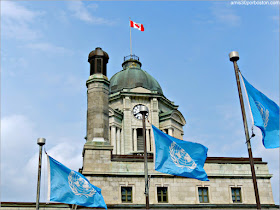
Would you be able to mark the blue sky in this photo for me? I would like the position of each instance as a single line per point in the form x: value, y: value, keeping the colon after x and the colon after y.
x: 185, y: 46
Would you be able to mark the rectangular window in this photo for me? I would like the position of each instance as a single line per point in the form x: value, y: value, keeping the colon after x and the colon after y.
x: 140, y: 140
x: 203, y: 195
x: 236, y: 194
x: 126, y: 194
x: 162, y: 194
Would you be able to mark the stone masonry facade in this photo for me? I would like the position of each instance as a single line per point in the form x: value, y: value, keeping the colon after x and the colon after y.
x: 110, y: 174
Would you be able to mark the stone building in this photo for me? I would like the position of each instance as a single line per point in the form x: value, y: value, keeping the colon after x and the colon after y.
x: 113, y: 153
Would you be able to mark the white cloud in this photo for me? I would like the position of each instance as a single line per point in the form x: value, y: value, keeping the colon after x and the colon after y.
x: 18, y: 30
x: 16, y: 12
x: 16, y: 21
x: 12, y: 66
x: 11, y: 128
x: 82, y: 12
x: 234, y: 144
x: 48, y: 47
x: 68, y: 154
x: 93, y: 6
x: 225, y: 15
x: 271, y: 156
x: 18, y: 143
x: 62, y: 16
x: 221, y: 13
x: 202, y: 19
x: 19, y: 158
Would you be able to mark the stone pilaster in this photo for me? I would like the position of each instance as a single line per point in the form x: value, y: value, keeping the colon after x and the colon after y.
x: 127, y: 129
x: 170, y: 131
x: 154, y: 112
x: 148, y: 139
x: 135, y: 139
x: 154, y: 119
x: 119, y: 140
x: 113, y: 139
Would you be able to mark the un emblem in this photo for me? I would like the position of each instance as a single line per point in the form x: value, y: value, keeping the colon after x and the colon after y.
x: 79, y: 185
x: 264, y: 113
x: 180, y: 157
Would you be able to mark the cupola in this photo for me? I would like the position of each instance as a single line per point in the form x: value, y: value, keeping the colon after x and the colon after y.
x: 98, y: 60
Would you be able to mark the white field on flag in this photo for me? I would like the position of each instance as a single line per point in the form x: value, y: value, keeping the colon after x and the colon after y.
x: 138, y: 26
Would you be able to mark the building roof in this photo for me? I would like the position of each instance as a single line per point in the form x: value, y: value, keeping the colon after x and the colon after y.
x: 133, y: 76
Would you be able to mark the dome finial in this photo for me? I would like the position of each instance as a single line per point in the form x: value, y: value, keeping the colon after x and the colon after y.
x: 129, y: 57
x: 131, y: 61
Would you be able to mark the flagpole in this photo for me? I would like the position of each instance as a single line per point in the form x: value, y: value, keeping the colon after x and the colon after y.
x: 234, y: 57
x: 130, y: 39
x: 40, y: 142
x: 144, y: 111
x: 252, y: 118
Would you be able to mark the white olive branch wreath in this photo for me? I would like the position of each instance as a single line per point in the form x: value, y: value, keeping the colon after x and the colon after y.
x: 73, y: 187
x: 176, y: 160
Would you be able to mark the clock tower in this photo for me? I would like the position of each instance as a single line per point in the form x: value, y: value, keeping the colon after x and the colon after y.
x: 131, y: 88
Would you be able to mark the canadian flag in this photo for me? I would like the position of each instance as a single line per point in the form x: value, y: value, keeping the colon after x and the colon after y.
x: 138, y: 26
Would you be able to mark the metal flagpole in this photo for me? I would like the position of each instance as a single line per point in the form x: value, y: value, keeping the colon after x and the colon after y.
x: 234, y: 57
x: 144, y: 111
x: 130, y: 39
x: 252, y: 118
x: 40, y: 142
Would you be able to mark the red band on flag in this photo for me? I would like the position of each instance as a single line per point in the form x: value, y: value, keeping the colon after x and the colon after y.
x: 138, y: 26
x: 142, y: 27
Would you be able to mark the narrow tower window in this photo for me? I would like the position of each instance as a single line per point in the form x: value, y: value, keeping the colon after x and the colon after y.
x: 98, y: 65
x: 140, y: 141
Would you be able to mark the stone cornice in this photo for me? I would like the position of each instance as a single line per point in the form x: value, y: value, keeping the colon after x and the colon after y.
x: 116, y: 113
x: 98, y: 78
x: 162, y: 99
x: 218, y: 160
x: 161, y: 175
x: 97, y: 146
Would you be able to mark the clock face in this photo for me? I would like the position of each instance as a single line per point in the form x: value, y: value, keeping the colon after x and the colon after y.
x: 136, y: 112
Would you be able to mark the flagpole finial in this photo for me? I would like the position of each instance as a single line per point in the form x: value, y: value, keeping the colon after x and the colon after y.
x: 41, y: 141
x: 233, y: 56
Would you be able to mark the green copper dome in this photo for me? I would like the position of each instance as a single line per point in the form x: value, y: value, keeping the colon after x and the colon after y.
x: 133, y: 76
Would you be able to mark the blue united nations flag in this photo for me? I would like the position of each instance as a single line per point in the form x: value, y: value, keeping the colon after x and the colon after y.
x: 178, y: 157
x: 265, y: 113
x: 67, y: 186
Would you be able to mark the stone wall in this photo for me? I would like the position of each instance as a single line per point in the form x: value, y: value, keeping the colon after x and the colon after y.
x: 110, y: 175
